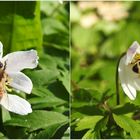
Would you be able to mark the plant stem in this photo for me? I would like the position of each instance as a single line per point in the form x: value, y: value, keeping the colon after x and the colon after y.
x: 1, y: 122
x: 117, y: 81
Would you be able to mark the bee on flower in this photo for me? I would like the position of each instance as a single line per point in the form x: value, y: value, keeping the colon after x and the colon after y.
x: 11, y: 76
x: 129, y: 71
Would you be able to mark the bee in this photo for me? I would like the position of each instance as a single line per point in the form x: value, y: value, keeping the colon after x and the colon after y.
x: 2, y: 89
x: 3, y: 78
x: 136, y: 67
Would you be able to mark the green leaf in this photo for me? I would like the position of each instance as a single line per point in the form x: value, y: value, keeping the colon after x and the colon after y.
x: 87, y: 97
x: 42, y: 77
x: 40, y: 91
x: 52, y: 26
x: 128, y: 125
x: 50, y: 6
x: 47, y: 101
x: 49, y: 132
x: 89, y: 110
x: 65, y: 78
x: 47, y: 62
x: 17, y: 121
x: 67, y: 134
x: 125, y: 109
x: 58, y: 89
x: 88, y: 135
x: 14, y: 132
x: 37, y: 120
x: 100, y: 126
x: 2, y: 136
x: 5, y: 115
x: 20, y: 26
x: 87, y: 122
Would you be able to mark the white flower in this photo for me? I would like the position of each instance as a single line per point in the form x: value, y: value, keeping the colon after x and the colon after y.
x: 129, y: 71
x: 11, y: 76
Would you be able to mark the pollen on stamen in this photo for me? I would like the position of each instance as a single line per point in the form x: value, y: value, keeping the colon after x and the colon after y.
x: 137, y: 56
x: 135, y: 59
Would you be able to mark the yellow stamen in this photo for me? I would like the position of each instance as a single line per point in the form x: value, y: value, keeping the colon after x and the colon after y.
x: 137, y: 56
x: 7, y: 83
x: 9, y: 80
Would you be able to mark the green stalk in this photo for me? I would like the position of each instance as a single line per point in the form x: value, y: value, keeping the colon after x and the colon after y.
x: 117, y: 81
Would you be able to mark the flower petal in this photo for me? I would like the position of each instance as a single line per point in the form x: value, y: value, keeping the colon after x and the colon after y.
x: 129, y: 90
x: 1, y: 50
x: 21, y: 82
x: 136, y: 83
x: 134, y: 48
x: 20, y: 60
x: 16, y: 104
x: 126, y: 78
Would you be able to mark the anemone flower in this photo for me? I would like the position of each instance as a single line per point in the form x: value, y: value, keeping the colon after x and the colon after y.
x: 12, y: 77
x: 129, y: 71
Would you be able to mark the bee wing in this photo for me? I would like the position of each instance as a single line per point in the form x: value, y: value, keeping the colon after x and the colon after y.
x: 16, y: 104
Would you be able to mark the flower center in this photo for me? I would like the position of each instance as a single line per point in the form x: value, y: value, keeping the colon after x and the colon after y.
x: 4, y: 84
x: 4, y: 80
x: 136, y: 58
x: 136, y: 64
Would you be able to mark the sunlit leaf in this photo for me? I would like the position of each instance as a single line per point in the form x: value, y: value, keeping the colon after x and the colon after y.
x: 37, y: 120
x: 85, y: 123
x: 20, y: 26
x: 128, y: 125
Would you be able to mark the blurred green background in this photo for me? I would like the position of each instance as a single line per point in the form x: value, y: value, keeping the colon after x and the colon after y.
x: 100, y: 33
x: 43, y: 26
